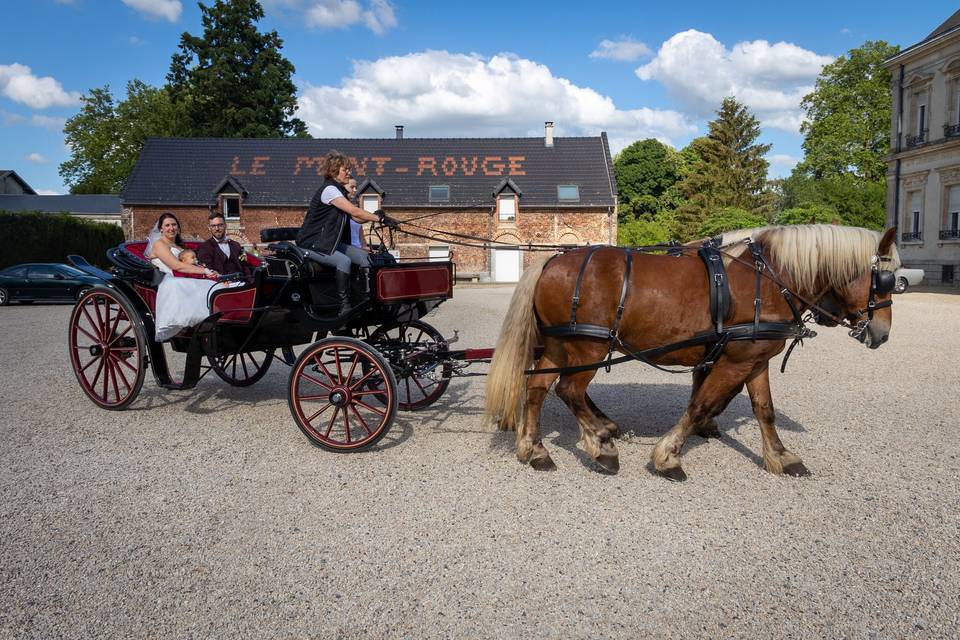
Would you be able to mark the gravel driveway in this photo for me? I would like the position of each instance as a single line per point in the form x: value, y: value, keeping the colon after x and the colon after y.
x: 207, y: 513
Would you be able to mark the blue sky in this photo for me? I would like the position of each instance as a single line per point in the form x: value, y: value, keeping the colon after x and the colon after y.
x: 633, y: 69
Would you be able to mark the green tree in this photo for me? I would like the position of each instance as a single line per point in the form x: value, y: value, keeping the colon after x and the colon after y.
x: 233, y: 82
x: 646, y: 170
x: 729, y: 219
x: 847, y: 125
x: 106, y: 137
x: 641, y: 232
x: 730, y: 170
x: 809, y: 214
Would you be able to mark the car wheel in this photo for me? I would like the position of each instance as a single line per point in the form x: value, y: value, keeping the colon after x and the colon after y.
x: 4, y: 297
x: 81, y: 291
x: 901, y: 285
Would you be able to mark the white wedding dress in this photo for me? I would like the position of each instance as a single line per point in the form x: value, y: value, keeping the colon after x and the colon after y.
x: 181, y: 302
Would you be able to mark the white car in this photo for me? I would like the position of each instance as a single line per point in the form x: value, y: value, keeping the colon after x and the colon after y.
x: 907, y: 277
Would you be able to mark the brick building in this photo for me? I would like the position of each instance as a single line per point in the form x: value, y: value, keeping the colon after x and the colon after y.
x: 516, y: 190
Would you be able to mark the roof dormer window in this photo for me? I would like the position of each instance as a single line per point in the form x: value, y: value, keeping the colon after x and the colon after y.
x: 439, y: 193
x: 568, y: 193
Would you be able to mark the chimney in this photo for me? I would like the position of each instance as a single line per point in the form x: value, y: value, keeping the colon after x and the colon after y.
x: 548, y: 134
x: 399, y: 131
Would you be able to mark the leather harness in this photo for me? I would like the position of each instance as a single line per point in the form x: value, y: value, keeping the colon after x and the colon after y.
x: 714, y: 341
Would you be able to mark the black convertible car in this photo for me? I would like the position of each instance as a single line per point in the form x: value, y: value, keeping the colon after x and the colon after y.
x: 29, y: 282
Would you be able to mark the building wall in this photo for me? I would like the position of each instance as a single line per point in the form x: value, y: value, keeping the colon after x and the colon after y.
x: 533, y: 226
x: 929, y: 156
x: 9, y: 186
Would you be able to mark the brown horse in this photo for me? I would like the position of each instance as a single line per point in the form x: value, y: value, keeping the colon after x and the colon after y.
x: 667, y: 301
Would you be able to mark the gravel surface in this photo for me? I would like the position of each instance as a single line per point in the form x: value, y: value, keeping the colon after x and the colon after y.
x: 207, y: 513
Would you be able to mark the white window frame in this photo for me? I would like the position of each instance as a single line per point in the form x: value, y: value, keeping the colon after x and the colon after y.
x: 430, y: 189
x: 367, y: 198
x: 568, y: 186
x: 224, y: 197
x: 433, y: 252
x: 505, y: 216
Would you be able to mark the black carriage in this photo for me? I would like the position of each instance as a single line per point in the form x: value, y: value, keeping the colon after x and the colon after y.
x: 345, y: 386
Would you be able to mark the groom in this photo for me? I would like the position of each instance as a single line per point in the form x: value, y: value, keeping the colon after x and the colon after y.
x: 220, y: 253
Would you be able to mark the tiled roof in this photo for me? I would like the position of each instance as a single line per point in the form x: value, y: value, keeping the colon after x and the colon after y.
x: 949, y: 24
x: 4, y: 173
x: 285, y: 171
x: 99, y: 204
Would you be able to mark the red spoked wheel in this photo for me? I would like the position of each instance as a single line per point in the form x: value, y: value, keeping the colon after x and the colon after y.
x: 242, y: 369
x: 411, y: 348
x: 107, y: 348
x: 342, y: 394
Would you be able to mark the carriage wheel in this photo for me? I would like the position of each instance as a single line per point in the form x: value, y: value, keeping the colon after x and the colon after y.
x: 332, y: 390
x: 242, y: 369
x: 421, y: 377
x: 107, y: 348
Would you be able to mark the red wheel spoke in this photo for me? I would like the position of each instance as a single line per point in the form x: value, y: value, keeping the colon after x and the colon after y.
x: 346, y: 425
x: 93, y: 323
x: 363, y: 379
x: 360, y: 418
x: 313, y: 398
x: 113, y: 379
x: 118, y: 370
x: 424, y: 391
x: 336, y: 357
x: 306, y: 375
x: 374, y: 409
x: 116, y: 322
x: 97, y: 375
x: 124, y: 362
x: 87, y: 366
x: 106, y: 374
x: 333, y: 419
x: 318, y: 413
x: 123, y: 333
x: 353, y: 365
x: 87, y: 333
x: 368, y: 392
x: 316, y: 359
x: 100, y: 323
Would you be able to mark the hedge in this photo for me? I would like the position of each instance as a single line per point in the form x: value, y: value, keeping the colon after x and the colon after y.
x: 50, y: 237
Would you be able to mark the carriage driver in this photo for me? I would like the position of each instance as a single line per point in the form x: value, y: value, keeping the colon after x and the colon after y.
x: 325, y: 233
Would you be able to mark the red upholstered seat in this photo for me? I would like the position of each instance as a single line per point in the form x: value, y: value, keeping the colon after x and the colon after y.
x: 138, y: 248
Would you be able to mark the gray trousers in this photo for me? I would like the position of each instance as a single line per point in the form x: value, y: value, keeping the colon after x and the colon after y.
x: 342, y: 257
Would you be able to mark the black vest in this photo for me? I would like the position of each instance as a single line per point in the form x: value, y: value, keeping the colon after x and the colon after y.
x: 324, y: 226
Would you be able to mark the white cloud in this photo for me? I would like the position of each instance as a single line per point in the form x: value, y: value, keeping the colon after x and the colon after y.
x: 19, y: 84
x: 698, y: 71
x: 437, y: 93
x: 135, y: 41
x: 376, y: 15
x: 47, y: 121
x: 783, y: 160
x: 624, y: 49
x: 48, y: 192
x: 36, y: 158
x: 163, y: 9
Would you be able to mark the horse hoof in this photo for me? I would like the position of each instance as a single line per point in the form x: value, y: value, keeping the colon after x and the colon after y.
x: 609, y: 463
x: 544, y: 463
x: 797, y: 470
x: 675, y: 474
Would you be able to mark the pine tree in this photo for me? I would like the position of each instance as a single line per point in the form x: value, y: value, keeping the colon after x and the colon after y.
x: 731, y: 171
x: 233, y: 82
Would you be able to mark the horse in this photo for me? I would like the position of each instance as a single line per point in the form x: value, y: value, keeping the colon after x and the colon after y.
x: 831, y: 271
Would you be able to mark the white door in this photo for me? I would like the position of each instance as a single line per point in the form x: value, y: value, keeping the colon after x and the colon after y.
x: 506, y: 265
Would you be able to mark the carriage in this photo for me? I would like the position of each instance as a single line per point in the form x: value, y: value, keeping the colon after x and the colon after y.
x: 345, y: 387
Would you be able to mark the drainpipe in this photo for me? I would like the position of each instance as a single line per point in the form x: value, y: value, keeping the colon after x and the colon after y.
x: 896, y: 193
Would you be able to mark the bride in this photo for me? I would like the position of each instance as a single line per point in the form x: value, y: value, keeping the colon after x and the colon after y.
x: 181, y: 302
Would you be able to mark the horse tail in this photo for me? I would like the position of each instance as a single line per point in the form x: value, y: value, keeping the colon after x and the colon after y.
x: 514, y: 353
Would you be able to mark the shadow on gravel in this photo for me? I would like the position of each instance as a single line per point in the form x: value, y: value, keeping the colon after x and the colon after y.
x: 641, y: 411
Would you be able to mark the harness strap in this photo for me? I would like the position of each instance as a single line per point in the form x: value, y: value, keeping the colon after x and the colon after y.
x: 759, y: 264
x: 576, y: 291
x: 732, y: 333
x: 719, y: 287
x: 615, y: 332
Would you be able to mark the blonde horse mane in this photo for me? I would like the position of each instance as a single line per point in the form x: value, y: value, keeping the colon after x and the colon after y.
x: 808, y: 252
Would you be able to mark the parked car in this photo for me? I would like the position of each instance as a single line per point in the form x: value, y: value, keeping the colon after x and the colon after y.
x: 907, y: 277
x: 29, y: 282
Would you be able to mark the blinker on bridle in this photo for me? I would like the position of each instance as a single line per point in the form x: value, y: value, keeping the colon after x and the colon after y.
x: 882, y: 283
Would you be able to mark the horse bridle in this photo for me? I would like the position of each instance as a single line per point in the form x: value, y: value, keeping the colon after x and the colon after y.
x: 882, y: 282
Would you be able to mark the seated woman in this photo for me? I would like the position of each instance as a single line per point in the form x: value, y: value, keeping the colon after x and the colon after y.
x: 181, y: 302
x: 325, y: 234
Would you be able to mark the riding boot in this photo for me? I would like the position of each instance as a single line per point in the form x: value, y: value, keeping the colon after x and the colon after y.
x: 343, y: 292
x: 365, y: 280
